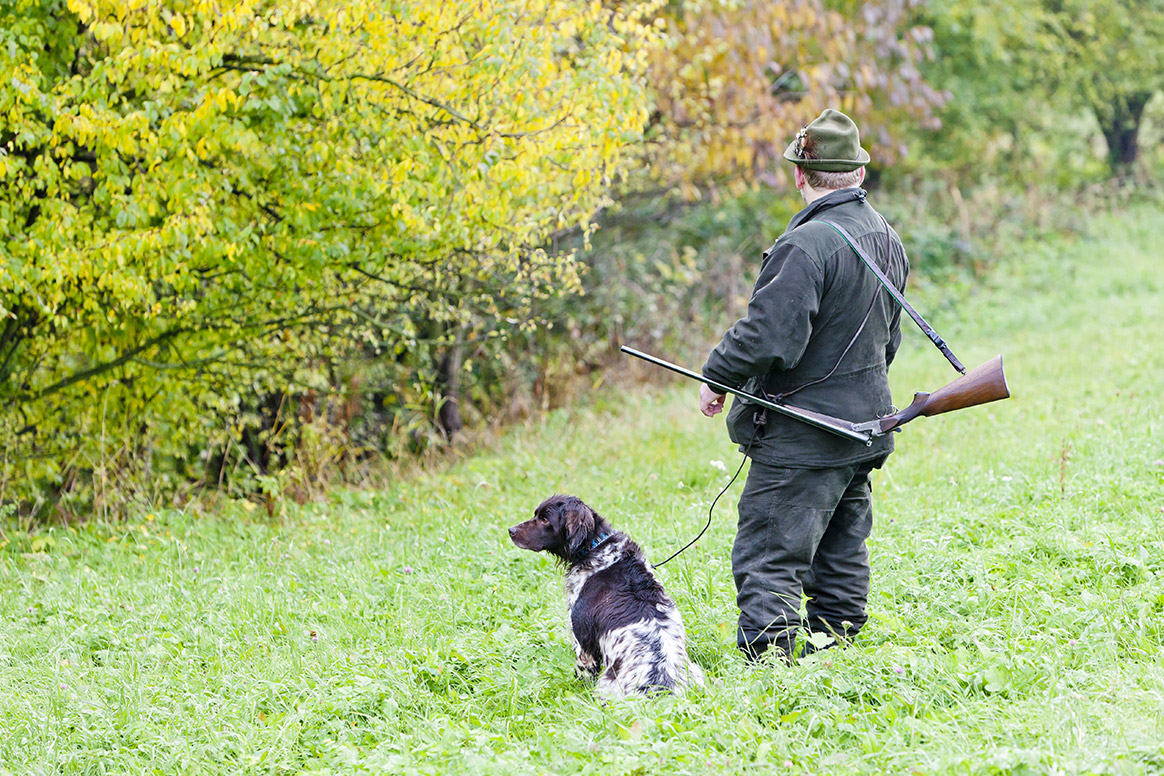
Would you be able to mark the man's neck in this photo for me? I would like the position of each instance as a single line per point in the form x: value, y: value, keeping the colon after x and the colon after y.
x: 812, y: 195
x: 812, y: 210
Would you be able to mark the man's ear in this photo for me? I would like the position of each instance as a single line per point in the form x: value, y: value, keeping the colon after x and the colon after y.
x: 862, y: 178
x: 798, y: 177
x: 579, y: 520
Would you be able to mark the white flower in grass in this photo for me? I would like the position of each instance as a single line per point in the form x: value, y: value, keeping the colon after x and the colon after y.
x: 719, y: 465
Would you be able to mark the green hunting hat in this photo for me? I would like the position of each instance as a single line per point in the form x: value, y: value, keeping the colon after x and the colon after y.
x: 832, y: 140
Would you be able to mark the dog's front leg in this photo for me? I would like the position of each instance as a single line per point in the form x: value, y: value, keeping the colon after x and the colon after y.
x: 585, y: 665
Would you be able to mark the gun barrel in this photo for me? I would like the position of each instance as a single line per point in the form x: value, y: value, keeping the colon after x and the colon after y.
x: 828, y: 423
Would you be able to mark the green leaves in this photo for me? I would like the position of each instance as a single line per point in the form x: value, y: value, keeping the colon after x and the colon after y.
x: 1023, y: 73
x: 259, y: 199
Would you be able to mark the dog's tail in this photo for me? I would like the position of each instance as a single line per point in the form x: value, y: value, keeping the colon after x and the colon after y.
x: 686, y: 675
x: 672, y: 676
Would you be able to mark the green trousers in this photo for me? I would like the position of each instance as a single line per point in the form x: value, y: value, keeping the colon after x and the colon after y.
x: 802, y: 531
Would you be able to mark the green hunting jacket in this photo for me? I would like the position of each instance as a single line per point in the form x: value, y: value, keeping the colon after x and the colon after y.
x: 808, y: 303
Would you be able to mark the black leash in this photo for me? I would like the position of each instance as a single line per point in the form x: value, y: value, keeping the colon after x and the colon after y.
x: 743, y: 460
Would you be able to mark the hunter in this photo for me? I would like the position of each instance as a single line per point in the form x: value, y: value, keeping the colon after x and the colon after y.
x: 818, y: 328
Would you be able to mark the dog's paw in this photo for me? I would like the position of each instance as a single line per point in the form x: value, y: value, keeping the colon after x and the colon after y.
x: 585, y: 665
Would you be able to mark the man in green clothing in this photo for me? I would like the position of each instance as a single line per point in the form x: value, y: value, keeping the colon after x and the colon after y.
x: 819, y: 333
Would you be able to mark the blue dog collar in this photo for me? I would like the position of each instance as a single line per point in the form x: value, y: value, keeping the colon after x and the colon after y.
x: 594, y: 544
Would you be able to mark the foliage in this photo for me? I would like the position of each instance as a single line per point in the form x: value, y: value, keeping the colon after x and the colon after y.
x: 737, y: 80
x: 1021, y: 149
x: 1016, y: 609
x: 247, y: 246
x: 1022, y: 73
x: 1107, y: 56
x: 217, y: 213
x: 656, y: 276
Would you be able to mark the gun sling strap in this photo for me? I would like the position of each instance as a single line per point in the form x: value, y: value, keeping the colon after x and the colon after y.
x: 779, y: 398
x: 897, y: 297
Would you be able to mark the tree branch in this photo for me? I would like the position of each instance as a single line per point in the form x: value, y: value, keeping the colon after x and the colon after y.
x: 124, y: 358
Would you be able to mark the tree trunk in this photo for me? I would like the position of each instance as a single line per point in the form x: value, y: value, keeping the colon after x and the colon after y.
x: 1120, y: 123
x: 448, y: 385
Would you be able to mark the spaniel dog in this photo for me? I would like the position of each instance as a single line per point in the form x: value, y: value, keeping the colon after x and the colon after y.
x: 625, y: 626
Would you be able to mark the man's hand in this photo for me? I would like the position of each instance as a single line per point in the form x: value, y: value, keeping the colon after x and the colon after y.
x: 710, y: 402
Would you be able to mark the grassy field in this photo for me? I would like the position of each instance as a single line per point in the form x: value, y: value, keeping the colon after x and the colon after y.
x: 1016, y: 617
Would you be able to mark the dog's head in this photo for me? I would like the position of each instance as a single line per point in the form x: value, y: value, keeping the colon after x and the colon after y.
x: 561, y: 526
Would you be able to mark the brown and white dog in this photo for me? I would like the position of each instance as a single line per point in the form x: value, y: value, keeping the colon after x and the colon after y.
x: 627, y: 632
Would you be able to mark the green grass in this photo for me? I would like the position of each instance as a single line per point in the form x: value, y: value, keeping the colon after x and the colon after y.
x: 1016, y: 616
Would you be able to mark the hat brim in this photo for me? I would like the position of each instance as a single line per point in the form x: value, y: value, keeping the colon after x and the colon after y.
x: 827, y: 165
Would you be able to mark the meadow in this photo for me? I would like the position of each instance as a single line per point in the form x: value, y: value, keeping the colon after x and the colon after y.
x: 1016, y: 615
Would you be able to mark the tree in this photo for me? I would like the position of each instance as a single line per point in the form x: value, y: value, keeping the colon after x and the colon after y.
x: 1010, y: 62
x: 1107, y: 55
x: 738, y: 79
x: 210, y: 204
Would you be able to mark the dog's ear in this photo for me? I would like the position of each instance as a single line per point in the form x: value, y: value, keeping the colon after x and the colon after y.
x: 579, y: 520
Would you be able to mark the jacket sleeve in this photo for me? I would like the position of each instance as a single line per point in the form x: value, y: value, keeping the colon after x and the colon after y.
x: 776, y: 329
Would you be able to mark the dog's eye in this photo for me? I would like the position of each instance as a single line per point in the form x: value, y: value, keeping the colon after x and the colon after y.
x: 543, y: 519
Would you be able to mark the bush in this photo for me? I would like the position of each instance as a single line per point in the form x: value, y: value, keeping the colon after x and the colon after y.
x: 225, y: 225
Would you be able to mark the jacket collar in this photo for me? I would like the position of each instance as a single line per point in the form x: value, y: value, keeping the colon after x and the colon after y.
x: 830, y: 200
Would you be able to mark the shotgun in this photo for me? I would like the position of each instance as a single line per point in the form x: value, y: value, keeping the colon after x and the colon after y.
x: 983, y: 384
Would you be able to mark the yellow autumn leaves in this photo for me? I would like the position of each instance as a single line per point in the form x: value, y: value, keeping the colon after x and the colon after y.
x: 212, y: 202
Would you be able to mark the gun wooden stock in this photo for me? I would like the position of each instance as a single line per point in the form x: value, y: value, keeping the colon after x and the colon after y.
x: 985, y: 383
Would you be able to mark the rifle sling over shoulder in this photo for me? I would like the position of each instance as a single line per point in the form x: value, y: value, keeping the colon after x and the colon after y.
x: 898, y: 297
x: 781, y: 396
